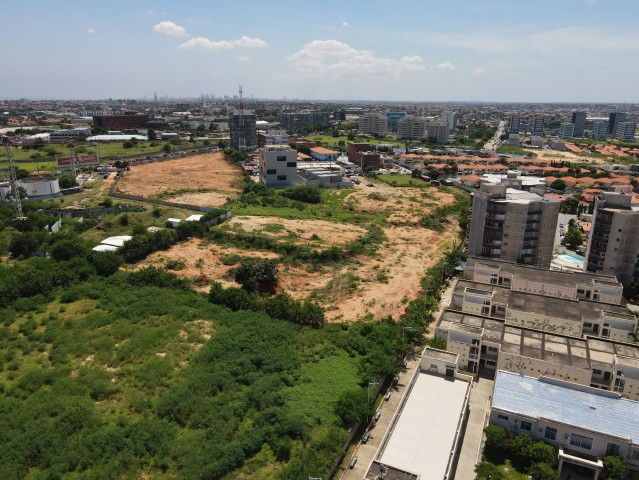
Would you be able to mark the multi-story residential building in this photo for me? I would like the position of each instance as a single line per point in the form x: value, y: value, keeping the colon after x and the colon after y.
x: 568, y: 285
x: 514, y: 139
x: 515, y: 123
x: 373, y: 123
x: 243, y: 129
x: 613, y: 244
x: 625, y: 131
x: 361, y: 154
x: 392, y: 118
x: 278, y: 166
x: 437, y: 131
x: 272, y: 137
x: 305, y: 119
x: 566, y: 130
x: 512, y: 225
x: 579, y: 121
x: 411, y: 127
x: 600, y: 129
x: 615, y: 119
x: 537, y: 127
x: 450, y: 118
x: 585, y: 424
x: 339, y: 115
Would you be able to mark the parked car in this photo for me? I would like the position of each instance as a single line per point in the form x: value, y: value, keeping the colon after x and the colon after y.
x: 366, y: 437
x: 387, y: 396
x: 377, y: 415
x: 352, y: 463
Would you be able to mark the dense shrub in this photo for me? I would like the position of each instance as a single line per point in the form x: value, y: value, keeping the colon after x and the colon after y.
x: 303, y: 193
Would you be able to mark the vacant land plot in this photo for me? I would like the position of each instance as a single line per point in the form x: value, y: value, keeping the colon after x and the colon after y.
x: 206, y: 180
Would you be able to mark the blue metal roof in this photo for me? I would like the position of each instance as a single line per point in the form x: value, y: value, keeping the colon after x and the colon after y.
x: 574, y: 405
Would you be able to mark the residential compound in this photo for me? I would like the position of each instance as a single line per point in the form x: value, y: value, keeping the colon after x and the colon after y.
x: 412, y: 127
x: 512, y: 225
x: 373, y: 123
x: 305, y: 119
x: 613, y: 244
x: 564, y: 325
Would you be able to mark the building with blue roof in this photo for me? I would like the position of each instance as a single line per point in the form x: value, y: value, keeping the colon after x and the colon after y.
x: 584, y: 423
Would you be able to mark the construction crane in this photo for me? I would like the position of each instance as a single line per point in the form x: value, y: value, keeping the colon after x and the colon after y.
x: 13, y: 182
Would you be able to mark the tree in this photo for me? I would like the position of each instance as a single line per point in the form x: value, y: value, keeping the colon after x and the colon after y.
x: 106, y: 263
x: 570, y: 205
x: 257, y: 275
x: 573, y: 237
x: 66, y: 250
x: 353, y: 407
x: 497, y: 439
x: 543, y: 471
x: 24, y: 245
x: 615, y: 467
x: 151, y: 134
x: 487, y: 470
x: 167, y: 148
x: 558, y: 184
x: 67, y: 181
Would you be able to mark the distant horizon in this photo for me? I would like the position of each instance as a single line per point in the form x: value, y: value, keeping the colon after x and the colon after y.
x: 484, y: 51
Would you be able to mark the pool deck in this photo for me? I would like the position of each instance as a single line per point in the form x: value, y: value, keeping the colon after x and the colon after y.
x: 560, y: 264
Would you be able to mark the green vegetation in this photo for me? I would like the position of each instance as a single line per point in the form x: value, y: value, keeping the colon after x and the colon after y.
x: 403, y: 181
x: 516, y: 150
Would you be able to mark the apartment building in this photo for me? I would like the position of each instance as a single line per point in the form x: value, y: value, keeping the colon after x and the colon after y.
x: 563, y: 316
x: 585, y: 424
x: 515, y: 123
x: 437, y: 131
x: 579, y: 121
x: 304, y: 119
x: 272, y: 137
x: 373, y: 123
x: 615, y: 119
x: 625, y: 131
x: 411, y: 127
x: 512, y: 225
x: 127, y: 121
x: 392, y: 118
x: 600, y: 129
x: 487, y: 344
x: 556, y: 144
x: 514, y: 139
x: 568, y: 285
x: 566, y: 130
x: 613, y: 243
x: 243, y: 129
x: 450, y: 118
x: 537, y: 127
x: 278, y: 166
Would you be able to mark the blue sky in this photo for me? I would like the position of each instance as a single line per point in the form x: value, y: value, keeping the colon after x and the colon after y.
x: 415, y: 50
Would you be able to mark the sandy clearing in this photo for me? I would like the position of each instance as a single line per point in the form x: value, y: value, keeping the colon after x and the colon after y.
x: 213, y: 176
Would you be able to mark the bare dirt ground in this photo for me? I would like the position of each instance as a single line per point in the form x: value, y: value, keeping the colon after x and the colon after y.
x: 206, y: 180
x: 365, y: 286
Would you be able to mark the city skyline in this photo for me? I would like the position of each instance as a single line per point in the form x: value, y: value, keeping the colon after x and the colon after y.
x: 487, y: 51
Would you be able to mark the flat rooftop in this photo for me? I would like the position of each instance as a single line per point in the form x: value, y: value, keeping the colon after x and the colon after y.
x: 423, y: 437
x: 541, y: 275
x: 585, y: 407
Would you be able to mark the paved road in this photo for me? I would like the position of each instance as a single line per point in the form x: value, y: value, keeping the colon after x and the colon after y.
x: 494, y: 143
x: 479, y: 404
x: 563, y: 218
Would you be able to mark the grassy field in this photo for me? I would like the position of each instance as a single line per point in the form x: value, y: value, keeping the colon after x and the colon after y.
x: 403, y: 181
x: 516, y: 150
x: 330, y: 141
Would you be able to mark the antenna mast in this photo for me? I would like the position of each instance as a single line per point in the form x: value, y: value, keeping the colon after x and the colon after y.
x: 13, y: 181
x: 242, y: 142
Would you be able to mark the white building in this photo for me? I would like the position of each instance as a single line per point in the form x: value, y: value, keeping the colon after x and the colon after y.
x: 584, y: 423
x: 514, y: 139
x: 557, y: 144
x: 278, y: 166
x: 64, y: 136
x: 450, y: 118
x: 40, y: 187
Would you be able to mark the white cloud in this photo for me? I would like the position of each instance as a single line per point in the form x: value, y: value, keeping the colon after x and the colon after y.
x: 149, y: 12
x: 445, y: 66
x: 242, y: 59
x: 203, y: 43
x: 346, y: 24
x: 332, y: 57
x: 170, y: 28
x: 477, y: 72
x: 91, y: 30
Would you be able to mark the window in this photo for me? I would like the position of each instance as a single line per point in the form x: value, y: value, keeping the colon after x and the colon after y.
x: 551, y: 433
x: 596, y: 371
x: 527, y: 426
x: 271, y: 171
x: 580, y: 441
x: 612, y: 449
x: 635, y: 454
x: 291, y: 164
x: 281, y: 177
x: 502, y: 417
x: 281, y: 158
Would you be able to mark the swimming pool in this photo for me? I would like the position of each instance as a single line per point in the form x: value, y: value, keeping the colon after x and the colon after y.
x: 569, y: 258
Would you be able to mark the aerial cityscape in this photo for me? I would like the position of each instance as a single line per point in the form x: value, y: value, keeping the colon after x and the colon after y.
x: 295, y: 241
